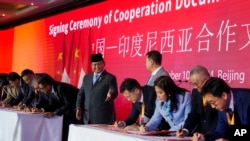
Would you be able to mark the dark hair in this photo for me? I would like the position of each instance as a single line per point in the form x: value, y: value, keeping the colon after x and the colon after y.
x: 155, y: 56
x: 45, y: 80
x: 215, y: 86
x: 129, y: 84
x: 167, y: 84
x: 12, y: 76
x: 27, y: 72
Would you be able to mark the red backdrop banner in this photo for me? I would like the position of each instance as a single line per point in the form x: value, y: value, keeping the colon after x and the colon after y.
x: 213, y: 33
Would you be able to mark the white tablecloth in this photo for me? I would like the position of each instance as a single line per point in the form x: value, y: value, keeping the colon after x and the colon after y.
x: 20, y: 126
x: 93, y: 133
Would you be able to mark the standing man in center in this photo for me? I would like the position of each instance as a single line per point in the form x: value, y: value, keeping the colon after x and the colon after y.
x: 95, y: 100
x: 153, y: 64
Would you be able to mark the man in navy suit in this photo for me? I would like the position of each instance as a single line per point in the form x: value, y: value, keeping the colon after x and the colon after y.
x: 132, y: 90
x: 202, y: 118
x: 62, y: 99
x: 224, y: 99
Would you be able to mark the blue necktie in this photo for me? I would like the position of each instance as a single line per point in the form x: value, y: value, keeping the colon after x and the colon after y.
x: 95, y: 78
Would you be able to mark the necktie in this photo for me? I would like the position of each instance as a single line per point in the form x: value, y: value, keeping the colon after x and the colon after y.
x: 95, y: 78
x: 230, y: 116
x: 204, y: 102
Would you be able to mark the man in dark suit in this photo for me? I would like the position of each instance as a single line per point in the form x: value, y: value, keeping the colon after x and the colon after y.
x: 41, y: 100
x: 27, y: 76
x: 221, y: 97
x: 62, y: 99
x: 202, y: 118
x: 138, y: 95
x: 153, y: 64
x: 16, y: 81
x: 95, y: 100
x: 3, y: 83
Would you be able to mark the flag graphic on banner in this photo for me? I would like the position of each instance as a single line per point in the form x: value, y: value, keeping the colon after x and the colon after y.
x: 85, y: 58
x: 61, y: 60
x: 75, y: 62
x: 67, y: 67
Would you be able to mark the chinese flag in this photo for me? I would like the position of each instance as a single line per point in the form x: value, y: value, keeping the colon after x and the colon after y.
x: 61, y: 60
x: 80, y: 59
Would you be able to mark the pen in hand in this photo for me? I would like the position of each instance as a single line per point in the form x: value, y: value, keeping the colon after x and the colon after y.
x: 180, y: 130
x: 119, y: 124
x: 196, y: 136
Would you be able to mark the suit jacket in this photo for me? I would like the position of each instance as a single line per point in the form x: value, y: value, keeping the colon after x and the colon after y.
x: 91, y: 99
x: 43, y: 101
x: 65, y: 104
x: 11, y: 93
x: 176, y: 118
x: 159, y: 73
x: 22, y: 92
x: 30, y: 95
x: 149, y: 97
x: 202, y: 119
x: 242, y: 115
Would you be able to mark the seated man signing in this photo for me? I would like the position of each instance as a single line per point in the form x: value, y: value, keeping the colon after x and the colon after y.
x: 138, y: 95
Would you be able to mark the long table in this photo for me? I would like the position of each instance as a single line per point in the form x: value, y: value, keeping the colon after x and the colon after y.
x: 104, y: 133
x: 21, y: 126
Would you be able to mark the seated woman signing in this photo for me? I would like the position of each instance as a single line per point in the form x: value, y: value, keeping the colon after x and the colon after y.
x: 173, y: 104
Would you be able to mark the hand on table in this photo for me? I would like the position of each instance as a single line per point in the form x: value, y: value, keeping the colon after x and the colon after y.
x: 27, y: 109
x: 49, y: 114
x: 6, y: 105
x: 133, y: 127
x: 198, y: 137
x: 181, y: 133
x: 21, y: 106
x: 119, y: 124
x: 36, y: 110
x: 143, y: 128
